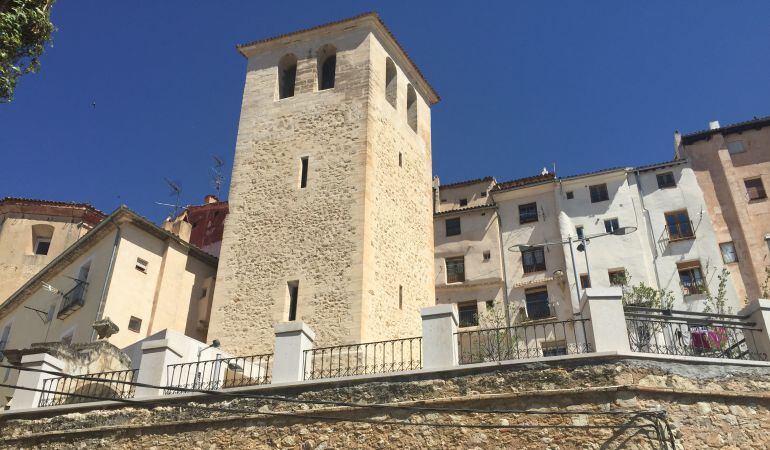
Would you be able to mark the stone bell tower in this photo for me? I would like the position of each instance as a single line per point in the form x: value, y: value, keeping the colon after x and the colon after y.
x: 330, y: 202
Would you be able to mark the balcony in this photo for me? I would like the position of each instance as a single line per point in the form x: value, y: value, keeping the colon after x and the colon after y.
x: 73, y: 300
x: 680, y: 231
x: 693, y: 287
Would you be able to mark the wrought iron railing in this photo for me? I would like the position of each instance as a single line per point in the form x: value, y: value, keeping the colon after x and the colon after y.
x: 71, y: 389
x: 361, y: 359
x: 73, y: 299
x: 694, y: 287
x: 218, y: 373
x: 526, y: 340
x: 684, y: 333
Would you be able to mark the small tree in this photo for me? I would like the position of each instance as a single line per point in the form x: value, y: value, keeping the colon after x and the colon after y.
x: 495, y: 340
x: 646, y: 296
x: 765, y: 288
x: 25, y: 27
x: 717, y: 303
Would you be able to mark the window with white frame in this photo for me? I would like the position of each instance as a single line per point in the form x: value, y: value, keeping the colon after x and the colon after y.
x: 728, y: 252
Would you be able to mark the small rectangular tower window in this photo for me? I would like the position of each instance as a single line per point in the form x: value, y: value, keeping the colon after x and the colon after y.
x: 755, y: 190
x: 303, y: 173
x: 570, y: 195
x: 487, y: 255
x: 400, y: 297
x: 579, y: 231
x: 141, y: 265
x: 293, y: 298
x: 134, y: 324
x: 42, y: 245
x: 463, y: 202
x: 400, y: 159
x: 453, y: 227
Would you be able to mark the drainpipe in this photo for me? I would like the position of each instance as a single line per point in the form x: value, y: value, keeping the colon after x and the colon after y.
x: 648, y: 222
x: 107, y: 279
x: 506, y: 302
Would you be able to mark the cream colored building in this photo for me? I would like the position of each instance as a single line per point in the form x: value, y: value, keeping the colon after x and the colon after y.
x: 34, y: 232
x: 732, y: 166
x: 142, y: 278
x: 468, y: 268
x: 330, y: 201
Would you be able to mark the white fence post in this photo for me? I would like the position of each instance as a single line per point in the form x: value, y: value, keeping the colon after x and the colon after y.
x: 758, y: 312
x: 22, y: 398
x: 291, y: 341
x: 439, y: 342
x: 156, y: 356
x: 607, y: 329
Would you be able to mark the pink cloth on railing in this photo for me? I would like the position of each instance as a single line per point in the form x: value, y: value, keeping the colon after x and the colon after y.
x: 708, y: 338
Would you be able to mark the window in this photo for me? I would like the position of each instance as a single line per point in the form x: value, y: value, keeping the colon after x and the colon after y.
x: 400, y: 297
x: 487, y: 255
x: 580, y: 232
x: 5, y: 336
x: 391, y: 84
x: 134, y: 324
x: 141, y: 265
x: 463, y: 202
x: 570, y: 195
x: 678, y: 225
x: 691, y: 278
x: 293, y: 298
x: 585, y: 281
x: 755, y: 189
x: 204, y: 292
x: 411, y: 107
x: 554, y: 348
x: 528, y: 213
x: 468, y: 313
x: 483, y: 194
x: 75, y: 298
x: 728, y: 252
x: 303, y: 172
x: 611, y: 225
x: 735, y: 147
x: 599, y: 193
x: 327, y: 67
x: 400, y: 159
x: 42, y: 245
x: 455, y: 269
x: 538, y: 306
x: 533, y: 260
x: 490, y: 304
x: 617, y: 277
x: 453, y: 226
x: 287, y: 76
x: 666, y: 180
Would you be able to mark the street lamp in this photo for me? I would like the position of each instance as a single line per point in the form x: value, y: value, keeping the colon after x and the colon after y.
x: 621, y: 231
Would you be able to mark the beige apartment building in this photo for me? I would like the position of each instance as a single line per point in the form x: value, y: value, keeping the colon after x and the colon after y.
x: 122, y: 281
x: 468, y: 268
x: 330, y: 200
x: 732, y: 165
x: 34, y: 232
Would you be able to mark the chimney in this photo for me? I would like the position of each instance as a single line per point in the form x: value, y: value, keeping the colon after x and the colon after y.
x: 179, y: 227
x: 436, y: 194
x: 714, y: 125
x: 209, y: 199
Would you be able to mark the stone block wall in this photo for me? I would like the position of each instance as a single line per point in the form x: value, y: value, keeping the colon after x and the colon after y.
x: 689, y: 406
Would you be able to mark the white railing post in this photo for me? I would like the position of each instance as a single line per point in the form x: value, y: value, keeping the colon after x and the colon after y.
x: 22, y: 398
x: 758, y: 312
x: 439, y: 342
x: 291, y: 341
x: 606, y: 329
x: 156, y: 356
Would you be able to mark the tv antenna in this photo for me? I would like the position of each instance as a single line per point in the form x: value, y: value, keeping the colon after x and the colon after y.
x: 176, y: 192
x: 215, y: 172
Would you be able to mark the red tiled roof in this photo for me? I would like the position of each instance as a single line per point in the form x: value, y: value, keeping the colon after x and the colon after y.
x: 753, y: 124
x: 90, y: 214
x: 520, y: 182
x: 466, y: 182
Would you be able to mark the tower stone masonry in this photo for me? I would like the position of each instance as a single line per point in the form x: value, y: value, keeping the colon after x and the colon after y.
x: 330, y: 201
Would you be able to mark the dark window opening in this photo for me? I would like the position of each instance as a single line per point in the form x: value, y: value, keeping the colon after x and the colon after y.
x: 618, y: 277
x: 666, y: 180
x: 528, y: 213
x: 400, y: 297
x: 287, y: 76
x: 42, y: 246
x: 538, y: 306
x: 585, y: 281
x: 487, y: 255
x: 463, y: 202
x: 579, y: 231
x: 611, y: 225
x: 468, y: 314
x: 293, y: 295
x: 303, y: 173
x: 599, y: 193
x: 691, y: 278
x: 570, y: 195
x: 411, y: 107
x: 455, y: 269
x: 678, y: 225
x: 391, y: 86
x: 533, y: 260
x: 134, y: 324
x: 327, y: 67
x: 453, y: 227
x: 755, y: 190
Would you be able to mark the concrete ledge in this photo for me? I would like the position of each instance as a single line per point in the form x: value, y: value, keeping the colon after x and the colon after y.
x: 757, y: 305
x: 439, y: 310
x: 159, y: 346
x: 294, y: 327
x: 43, y: 358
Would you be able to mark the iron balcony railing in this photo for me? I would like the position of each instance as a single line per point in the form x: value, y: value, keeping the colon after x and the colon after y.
x: 71, y: 389
x: 522, y: 341
x: 361, y: 359
x: 680, y: 231
x: 219, y: 373
x: 73, y: 299
x: 684, y: 333
x: 693, y: 287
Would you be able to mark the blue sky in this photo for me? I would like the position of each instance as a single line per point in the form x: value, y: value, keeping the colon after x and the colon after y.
x: 523, y: 85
